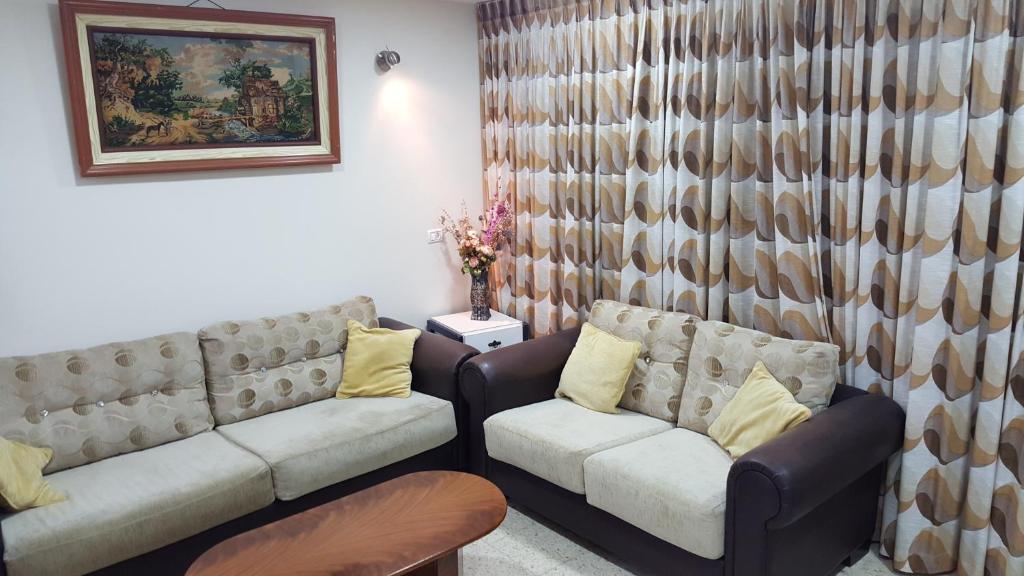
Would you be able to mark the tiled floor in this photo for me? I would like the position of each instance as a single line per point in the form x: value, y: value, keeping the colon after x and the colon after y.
x: 526, y: 546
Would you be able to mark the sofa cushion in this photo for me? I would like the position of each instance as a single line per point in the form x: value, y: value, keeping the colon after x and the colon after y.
x: 598, y: 367
x: 551, y: 439
x: 671, y: 485
x: 92, y: 404
x: 761, y: 410
x: 323, y: 443
x: 377, y: 362
x: 261, y: 366
x: 128, y: 505
x: 723, y: 356
x: 21, y: 477
x: 659, y: 374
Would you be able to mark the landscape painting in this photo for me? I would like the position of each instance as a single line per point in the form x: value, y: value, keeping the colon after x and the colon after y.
x: 158, y: 89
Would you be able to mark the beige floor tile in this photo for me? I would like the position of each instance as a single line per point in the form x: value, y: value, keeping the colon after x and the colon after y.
x: 589, y: 564
x: 536, y: 546
x: 482, y: 559
x: 525, y: 545
x: 870, y: 565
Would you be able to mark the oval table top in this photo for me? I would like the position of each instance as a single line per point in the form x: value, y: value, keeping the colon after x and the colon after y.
x: 391, y: 528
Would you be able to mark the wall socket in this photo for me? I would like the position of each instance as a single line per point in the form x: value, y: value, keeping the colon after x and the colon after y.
x: 434, y: 235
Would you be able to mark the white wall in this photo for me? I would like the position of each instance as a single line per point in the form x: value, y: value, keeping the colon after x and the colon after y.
x: 84, y: 261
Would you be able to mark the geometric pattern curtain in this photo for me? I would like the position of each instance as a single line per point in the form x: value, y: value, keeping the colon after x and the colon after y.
x: 556, y: 116
x: 843, y: 170
x: 923, y: 180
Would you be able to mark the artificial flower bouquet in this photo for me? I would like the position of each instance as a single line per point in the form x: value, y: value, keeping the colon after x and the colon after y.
x: 479, y: 248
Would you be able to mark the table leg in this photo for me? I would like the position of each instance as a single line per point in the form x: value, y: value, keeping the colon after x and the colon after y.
x: 450, y: 565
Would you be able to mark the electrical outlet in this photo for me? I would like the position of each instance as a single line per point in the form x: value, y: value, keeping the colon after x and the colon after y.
x: 434, y: 236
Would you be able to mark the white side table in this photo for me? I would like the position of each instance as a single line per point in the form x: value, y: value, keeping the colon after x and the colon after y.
x: 484, y: 335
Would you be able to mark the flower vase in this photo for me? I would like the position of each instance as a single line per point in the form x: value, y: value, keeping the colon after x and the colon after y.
x: 479, y: 298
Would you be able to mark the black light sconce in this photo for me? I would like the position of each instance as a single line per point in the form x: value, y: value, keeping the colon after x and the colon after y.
x: 387, y: 59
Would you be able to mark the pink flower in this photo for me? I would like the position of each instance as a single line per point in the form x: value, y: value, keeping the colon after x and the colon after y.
x: 478, y: 247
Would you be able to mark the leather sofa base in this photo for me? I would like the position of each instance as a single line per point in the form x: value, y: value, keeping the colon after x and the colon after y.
x: 821, y: 542
x: 571, y: 511
x: 176, y: 558
x: 816, y: 542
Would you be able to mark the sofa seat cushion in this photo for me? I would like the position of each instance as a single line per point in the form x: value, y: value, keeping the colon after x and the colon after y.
x: 671, y: 485
x: 551, y: 439
x: 322, y: 443
x: 131, y: 504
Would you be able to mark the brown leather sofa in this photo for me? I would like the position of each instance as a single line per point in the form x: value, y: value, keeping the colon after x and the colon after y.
x: 802, y: 504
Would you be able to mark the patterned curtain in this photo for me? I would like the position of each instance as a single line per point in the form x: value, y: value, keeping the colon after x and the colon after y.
x: 608, y: 122
x: 844, y: 170
x: 924, y: 205
x: 556, y: 99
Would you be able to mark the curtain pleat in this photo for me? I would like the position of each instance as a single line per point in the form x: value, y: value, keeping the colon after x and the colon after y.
x: 842, y: 170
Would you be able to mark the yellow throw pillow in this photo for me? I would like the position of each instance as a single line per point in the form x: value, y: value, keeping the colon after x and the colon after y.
x: 21, y: 477
x: 598, y: 367
x: 761, y: 410
x: 377, y: 362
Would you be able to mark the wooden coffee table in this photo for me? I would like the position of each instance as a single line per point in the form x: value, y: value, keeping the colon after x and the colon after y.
x: 414, y: 524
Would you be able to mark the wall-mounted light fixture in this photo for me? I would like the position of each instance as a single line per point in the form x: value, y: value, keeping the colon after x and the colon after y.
x: 387, y: 59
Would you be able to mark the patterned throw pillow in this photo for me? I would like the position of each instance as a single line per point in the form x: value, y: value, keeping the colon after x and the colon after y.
x: 656, y: 384
x: 723, y: 356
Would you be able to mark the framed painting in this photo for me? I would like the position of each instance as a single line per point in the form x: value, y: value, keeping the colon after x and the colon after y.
x: 167, y: 88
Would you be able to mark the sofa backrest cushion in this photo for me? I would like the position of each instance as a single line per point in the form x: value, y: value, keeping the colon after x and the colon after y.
x: 261, y: 366
x: 656, y: 384
x: 92, y: 404
x: 723, y: 356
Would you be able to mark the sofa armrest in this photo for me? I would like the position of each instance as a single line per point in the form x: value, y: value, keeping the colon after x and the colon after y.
x: 517, y: 375
x: 812, y: 462
x: 436, y: 361
x: 510, y: 377
x: 808, y: 499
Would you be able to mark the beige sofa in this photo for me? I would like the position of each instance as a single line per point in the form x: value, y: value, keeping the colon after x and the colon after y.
x: 161, y: 439
x: 649, y: 484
